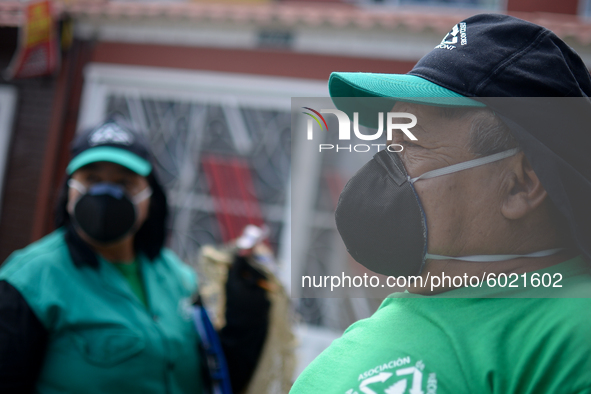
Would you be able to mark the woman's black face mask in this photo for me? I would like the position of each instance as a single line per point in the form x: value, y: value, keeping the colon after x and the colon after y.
x: 104, y: 211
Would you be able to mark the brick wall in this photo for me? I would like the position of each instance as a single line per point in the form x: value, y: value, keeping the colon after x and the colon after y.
x: 26, y: 153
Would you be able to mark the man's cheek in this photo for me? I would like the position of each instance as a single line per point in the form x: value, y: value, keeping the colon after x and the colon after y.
x: 415, y: 162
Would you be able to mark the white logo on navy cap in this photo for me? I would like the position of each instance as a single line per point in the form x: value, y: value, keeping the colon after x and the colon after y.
x: 110, y: 133
x: 451, y: 39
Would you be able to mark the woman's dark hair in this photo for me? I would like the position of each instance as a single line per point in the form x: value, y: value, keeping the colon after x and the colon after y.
x: 151, y: 236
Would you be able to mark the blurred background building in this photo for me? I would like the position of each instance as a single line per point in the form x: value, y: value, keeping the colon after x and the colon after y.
x: 210, y: 84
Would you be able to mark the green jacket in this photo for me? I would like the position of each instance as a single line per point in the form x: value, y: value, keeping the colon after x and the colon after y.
x: 102, y: 339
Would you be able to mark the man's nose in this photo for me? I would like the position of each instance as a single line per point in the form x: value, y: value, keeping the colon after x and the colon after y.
x: 395, y: 139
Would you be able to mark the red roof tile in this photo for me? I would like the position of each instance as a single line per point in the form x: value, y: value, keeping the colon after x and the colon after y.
x: 291, y: 14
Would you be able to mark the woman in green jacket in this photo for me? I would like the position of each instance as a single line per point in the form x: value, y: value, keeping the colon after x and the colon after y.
x: 99, y: 305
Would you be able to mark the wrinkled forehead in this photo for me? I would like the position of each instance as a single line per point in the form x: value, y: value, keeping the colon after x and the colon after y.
x: 448, y: 125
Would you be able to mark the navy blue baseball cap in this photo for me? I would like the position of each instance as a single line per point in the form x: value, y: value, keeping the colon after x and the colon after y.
x: 529, y: 77
x: 486, y: 55
x: 112, y: 142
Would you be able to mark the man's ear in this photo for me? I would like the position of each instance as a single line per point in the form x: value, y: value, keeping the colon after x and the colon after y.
x: 524, y: 191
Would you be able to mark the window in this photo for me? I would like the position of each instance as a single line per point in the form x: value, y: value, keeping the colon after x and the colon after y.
x: 223, y: 149
x: 585, y: 8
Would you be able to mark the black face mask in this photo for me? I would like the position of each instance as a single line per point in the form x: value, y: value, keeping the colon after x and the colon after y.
x: 382, y: 223
x: 104, y: 211
x: 380, y: 218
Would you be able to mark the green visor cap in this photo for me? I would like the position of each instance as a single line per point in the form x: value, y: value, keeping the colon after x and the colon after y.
x: 369, y: 94
x: 119, y: 156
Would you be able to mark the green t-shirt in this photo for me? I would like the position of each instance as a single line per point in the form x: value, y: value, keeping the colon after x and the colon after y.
x: 435, y: 345
x: 131, y: 273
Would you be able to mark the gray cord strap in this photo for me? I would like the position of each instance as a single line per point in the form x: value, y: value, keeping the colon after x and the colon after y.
x: 141, y: 196
x: 466, y: 165
x: 74, y: 184
x: 493, y: 257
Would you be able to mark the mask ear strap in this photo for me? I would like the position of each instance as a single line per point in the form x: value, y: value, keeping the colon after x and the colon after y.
x: 143, y: 195
x: 74, y: 184
x: 466, y: 165
x: 484, y: 258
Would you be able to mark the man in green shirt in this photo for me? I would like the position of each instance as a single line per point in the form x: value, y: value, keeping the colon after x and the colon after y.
x: 492, y: 189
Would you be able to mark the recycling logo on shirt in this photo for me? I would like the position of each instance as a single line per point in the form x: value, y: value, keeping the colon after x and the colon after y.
x: 396, y: 377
